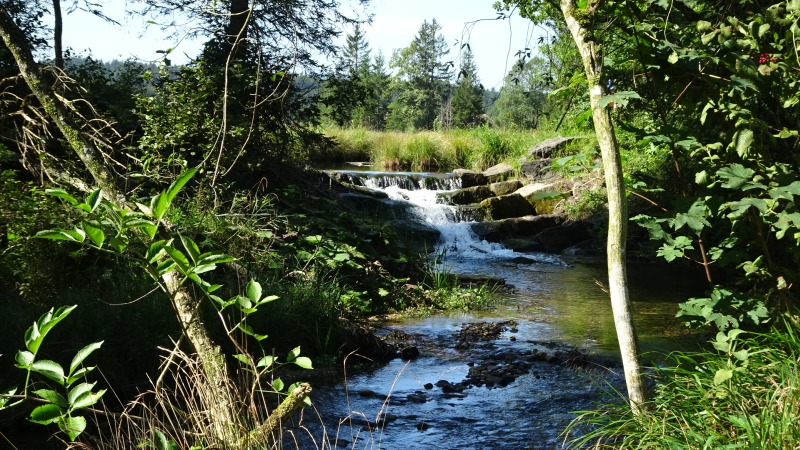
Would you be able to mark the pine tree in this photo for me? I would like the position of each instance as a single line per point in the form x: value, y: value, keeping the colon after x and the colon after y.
x: 468, y: 93
x: 423, y: 78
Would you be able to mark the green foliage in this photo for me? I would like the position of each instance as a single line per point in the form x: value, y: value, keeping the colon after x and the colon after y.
x: 743, y: 393
x: 467, y: 101
x: 61, y: 408
x: 422, y: 80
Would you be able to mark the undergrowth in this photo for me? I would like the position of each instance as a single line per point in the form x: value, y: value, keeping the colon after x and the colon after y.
x: 743, y: 393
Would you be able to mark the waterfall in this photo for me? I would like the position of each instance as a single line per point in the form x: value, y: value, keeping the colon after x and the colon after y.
x: 421, y: 191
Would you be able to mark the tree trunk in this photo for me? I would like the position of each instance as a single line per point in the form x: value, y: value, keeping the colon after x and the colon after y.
x: 58, y: 26
x: 237, y: 29
x: 617, y: 208
x: 215, y: 386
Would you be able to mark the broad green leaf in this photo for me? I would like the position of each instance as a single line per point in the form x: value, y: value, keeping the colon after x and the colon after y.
x: 118, y: 243
x: 82, y: 355
x: 5, y: 397
x: 178, y: 184
x: 248, y: 330
x: 49, y: 369
x: 79, y: 374
x: 62, y: 194
x: 266, y: 362
x: 191, y: 248
x: 267, y: 299
x: 203, y: 268
x: 739, y: 208
x: 722, y: 376
x: 618, y: 97
x: 786, y: 192
x: 165, y: 266
x: 62, y: 235
x: 72, y: 426
x: 95, y: 234
x: 24, y: 359
x: 156, y: 250
x: 52, y: 397
x: 744, y: 140
x: 45, y: 414
x: 83, y: 397
x: 314, y: 240
x: 669, y: 252
x: 243, y: 302
x: 37, y: 332
x: 735, y: 175
x: 293, y: 354
x: 215, y: 257
x: 304, y: 362
x: 159, y: 206
x: 341, y: 257
x: 254, y: 291
x: 278, y: 384
x: 179, y: 258
x: 242, y: 358
x: 785, y: 222
x: 94, y: 199
x: 163, y: 443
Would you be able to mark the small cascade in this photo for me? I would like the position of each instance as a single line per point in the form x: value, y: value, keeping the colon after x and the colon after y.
x: 422, y: 190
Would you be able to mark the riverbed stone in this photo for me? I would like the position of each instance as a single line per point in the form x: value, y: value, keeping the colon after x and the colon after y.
x: 507, y: 206
x: 466, y: 196
x: 419, y: 234
x: 470, y: 178
x: 505, y: 187
x: 499, y: 172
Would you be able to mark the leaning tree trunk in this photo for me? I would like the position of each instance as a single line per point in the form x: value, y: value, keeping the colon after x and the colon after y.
x: 591, y: 55
x: 215, y: 386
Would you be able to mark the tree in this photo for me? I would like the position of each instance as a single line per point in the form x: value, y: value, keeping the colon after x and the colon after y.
x: 422, y: 80
x: 347, y: 90
x: 468, y: 93
x: 523, y: 95
x: 579, y: 19
x: 215, y: 388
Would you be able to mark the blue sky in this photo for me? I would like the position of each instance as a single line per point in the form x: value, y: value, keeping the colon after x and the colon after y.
x: 395, y: 22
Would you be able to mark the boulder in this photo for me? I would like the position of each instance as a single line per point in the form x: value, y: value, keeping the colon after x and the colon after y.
x: 546, y: 148
x: 529, y: 226
x: 418, y: 234
x: 558, y: 239
x: 500, y: 172
x: 523, y: 245
x: 470, y: 178
x: 466, y: 196
x: 489, y: 231
x: 505, y: 187
x: 507, y: 206
x: 538, y: 169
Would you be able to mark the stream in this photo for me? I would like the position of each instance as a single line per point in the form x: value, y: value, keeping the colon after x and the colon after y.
x: 509, y: 377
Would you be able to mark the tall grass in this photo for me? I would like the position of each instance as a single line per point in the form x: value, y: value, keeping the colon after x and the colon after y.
x: 694, y: 407
x: 477, y: 148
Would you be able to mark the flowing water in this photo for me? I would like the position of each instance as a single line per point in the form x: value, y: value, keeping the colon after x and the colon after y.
x: 557, y: 304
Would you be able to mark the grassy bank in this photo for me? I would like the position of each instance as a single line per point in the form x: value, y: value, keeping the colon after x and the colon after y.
x: 476, y: 148
x: 742, y: 393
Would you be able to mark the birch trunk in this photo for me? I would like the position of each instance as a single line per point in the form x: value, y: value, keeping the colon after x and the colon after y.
x: 617, y: 208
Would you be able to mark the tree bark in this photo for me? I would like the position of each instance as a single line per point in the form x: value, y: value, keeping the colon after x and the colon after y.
x: 58, y: 27
x: 591, y: 55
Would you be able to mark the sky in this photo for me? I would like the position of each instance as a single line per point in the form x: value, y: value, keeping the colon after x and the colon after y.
x: 494, y: 43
